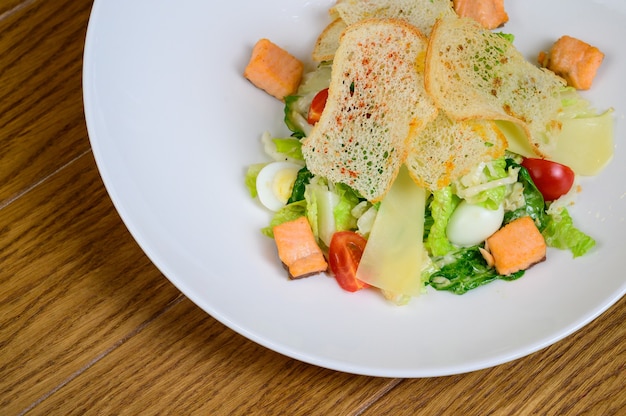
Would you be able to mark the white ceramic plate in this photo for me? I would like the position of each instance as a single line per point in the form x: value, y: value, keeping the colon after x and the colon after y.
x: 173, y: 125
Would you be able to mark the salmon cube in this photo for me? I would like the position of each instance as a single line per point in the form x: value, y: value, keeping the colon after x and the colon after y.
x: 489, y: 13
x: 298, y: 249
x: 574, y: 60
x: 273, y: 69
x: 517, y: 246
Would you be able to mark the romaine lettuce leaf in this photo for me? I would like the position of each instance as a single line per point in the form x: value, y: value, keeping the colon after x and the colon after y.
x: 441, y: 208
x: 251, y: 175
x: 465, y: 269
x: 348, y: 199
x: 297, y: 105
x: 299, y: 186
x: 556, y: 226
x: 487, y: 184
x: 289, y: 212
x: 329, y: 208
x: 561, y: 233
x: 290, y: 147
x: 296, y: 108
x: 534, y: 206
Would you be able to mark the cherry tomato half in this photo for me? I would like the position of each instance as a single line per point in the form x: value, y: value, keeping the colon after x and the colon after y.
x: 344, y: 255
x: 552, y: 179
x: 317, y: 106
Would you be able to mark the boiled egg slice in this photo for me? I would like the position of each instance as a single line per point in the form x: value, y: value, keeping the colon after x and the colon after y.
x: 275, y: 183
x: 471, y: 224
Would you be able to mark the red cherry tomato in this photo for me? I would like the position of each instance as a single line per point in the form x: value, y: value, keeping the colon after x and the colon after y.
x: 552, y: 179
x: 317, y: 106
x: 344, y: 255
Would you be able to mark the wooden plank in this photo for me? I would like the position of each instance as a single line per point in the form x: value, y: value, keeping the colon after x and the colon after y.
x: 585, y: 374
x: 73, y: 284
x: 10, y: 7
x: 41, y: 110
x: 188, y: 363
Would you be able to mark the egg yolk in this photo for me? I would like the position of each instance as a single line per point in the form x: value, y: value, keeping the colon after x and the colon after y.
x: 283, y: 184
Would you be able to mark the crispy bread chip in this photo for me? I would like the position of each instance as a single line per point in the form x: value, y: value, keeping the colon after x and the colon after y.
x: 376, y: 105
x: 328, y: 41
x: 474, y: 73
x: 421, y: 14
x: 446, y: 150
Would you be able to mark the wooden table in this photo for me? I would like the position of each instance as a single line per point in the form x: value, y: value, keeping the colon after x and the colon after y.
x: 89, y: 326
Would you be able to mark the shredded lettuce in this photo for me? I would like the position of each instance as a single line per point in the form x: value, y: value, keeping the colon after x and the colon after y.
x: 297, y: 105
x: 465, y: 269
x: 290, y: 147
x: 250, y: 179
x: 288, y: 213
x: 329, y: 208
x: 441, y: 208
x: 487, y: 185
x: 365, y: 221
x: 282, y: 150
x: 296, y: 108
x: 556, y: 225
x: 316, y: 80
x: 561, y: 233
x: 534, y: 205
x: 348, y: 199
x: 299, y: 186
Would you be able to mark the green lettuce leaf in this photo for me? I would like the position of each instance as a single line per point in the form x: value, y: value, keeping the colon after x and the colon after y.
x: 556, y: 227
x: 535, y: 206
x: 487, y: 185
x: 348, y: 199
x: 287, y: 213
x: 290, y: 147
x: 441, y: 208
x: 561, y: 233
x: 464, y: 270
x: 250, y: 178
x: 296, y: 107
x: 329, y: 208
x: 299, y: 186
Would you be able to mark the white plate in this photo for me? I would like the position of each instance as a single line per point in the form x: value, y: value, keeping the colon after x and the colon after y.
x: 173, y: 125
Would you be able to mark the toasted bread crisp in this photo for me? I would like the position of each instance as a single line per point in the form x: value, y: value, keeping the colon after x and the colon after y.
x: 420, y: 13
x: 376, y: 105
x: 446, y: 150
x: 474, y: 73
x: 328, y: 41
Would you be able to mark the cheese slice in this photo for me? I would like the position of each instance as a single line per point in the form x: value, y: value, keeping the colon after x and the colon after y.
x: 392, y: 260
x: 586, y: 144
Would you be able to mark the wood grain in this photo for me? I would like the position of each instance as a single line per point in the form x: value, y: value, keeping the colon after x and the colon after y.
x: 584, y: 374
x: 197, y: 366
x: 10, y: 7
x: 41, y: 113
x: 73, y: 284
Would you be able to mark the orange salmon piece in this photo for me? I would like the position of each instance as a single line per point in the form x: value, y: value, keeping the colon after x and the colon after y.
x: 517, y: 246
x: 489, y: 13
x: 298, y: 250
x: 273, y: 69
x: 574, y: 60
